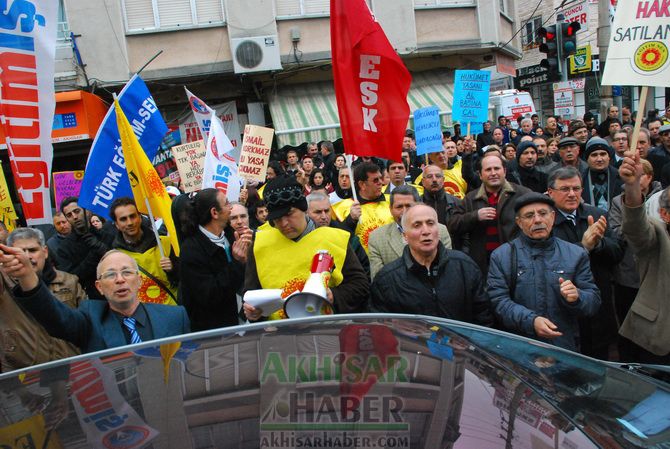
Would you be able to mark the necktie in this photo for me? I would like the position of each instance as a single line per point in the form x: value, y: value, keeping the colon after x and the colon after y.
x: 134, y: 336
x: 572, y: 219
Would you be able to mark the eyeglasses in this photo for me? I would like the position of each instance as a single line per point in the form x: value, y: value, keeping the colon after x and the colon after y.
x: 111, y: 275
x: 542, y: 213
x: 567, y: 189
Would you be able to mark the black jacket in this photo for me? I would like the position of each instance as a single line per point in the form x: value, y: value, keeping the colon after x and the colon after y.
x: 614, y: 185
x: 79, y: 254
x: 453, y: 288
x: 532, y: 178
x: 209, y: 283
x: 444, y: 204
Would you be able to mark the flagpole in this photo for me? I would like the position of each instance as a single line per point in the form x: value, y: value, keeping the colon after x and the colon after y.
x: 153, y: 224
x: 350, y: 161
x: 638, y: 122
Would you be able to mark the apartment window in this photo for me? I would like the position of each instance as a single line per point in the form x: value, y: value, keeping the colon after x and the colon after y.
x: 291, y: 8
x: 439, y: 3
x: 155, y: 15
x: 63, y: 29
x: 503, y: 6
x: 530, y: 37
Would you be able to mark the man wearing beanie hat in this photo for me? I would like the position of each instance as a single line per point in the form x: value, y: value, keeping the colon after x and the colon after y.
x: 282, y: 254
x: 525, y: 172
x: 601, y: 180
x: 540, y: 285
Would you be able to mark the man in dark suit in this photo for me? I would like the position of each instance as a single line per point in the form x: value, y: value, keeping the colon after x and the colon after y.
x: 586, y: 226
x: 95, y: 325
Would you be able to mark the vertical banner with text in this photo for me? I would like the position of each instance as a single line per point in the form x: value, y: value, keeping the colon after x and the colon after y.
x: 190, y: 160
x: 27, y: 100
x: 427, y: 130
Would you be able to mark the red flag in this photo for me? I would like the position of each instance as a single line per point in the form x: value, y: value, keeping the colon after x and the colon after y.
x: 371, y: 82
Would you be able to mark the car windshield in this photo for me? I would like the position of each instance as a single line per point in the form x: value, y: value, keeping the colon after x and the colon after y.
x: 360, y: 381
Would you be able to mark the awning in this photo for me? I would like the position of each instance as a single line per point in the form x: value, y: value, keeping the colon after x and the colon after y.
x: 77, y: 117
x: 308, y: 112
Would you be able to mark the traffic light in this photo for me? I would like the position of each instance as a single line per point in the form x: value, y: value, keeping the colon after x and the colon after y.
x: 569, y: 38
x: 550, y: 46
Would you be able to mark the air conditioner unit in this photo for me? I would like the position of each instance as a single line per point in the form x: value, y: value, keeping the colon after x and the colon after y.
x: 255, y: 54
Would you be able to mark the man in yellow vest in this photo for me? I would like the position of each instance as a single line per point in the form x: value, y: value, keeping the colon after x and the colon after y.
x: 282, y: 254
x: 372, y: 210
x: 135, y: 238
x: 454, y: 182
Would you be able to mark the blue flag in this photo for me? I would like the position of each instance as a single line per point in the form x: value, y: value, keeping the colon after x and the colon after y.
x: 106, y: 176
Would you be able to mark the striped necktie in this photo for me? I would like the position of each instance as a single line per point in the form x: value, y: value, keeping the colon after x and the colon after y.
x: 134, y: 336
x: 572, y: 218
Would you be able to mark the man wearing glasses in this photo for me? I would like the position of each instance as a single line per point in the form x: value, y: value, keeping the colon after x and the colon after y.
x: 540, y: 285
x: 95, y: 325
x: 586, y: 226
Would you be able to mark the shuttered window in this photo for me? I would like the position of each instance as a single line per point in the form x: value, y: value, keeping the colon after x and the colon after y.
x: 156, y: 15
x: 284, y: 8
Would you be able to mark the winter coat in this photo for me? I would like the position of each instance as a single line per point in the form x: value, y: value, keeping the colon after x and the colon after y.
x: 452, y: 288
x: 534, y: 290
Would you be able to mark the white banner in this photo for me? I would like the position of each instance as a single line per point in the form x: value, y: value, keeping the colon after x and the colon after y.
x: 104, y: 415
x: 195, y: 125
x: 638, y: 49
x: 27, y: 100
x: 220, y: 166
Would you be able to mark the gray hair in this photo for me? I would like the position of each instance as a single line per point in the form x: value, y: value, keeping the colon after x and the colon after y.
x: 646, y: 132
x: 237, y: 203
x: 316, y: 196
x: 403, y: 220
x: 561, y: 174
x: 109, y: 253
x: 26, y: 234
x: 526, y: 120
x: 405, y: 190
x: 664, y: 200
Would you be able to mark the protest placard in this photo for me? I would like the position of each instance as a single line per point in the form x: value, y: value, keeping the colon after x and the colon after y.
x: 638, y: 49
x: 471, y: 96
x: 67, y: 183
x: 427, y: 130
x: 190, y: 158
x: 255, y: 152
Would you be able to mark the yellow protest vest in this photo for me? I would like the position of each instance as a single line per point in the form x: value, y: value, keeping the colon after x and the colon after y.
x: 285, y: 264
x: 454, y: 184
x: 150, y: 290
x: 373, y: 216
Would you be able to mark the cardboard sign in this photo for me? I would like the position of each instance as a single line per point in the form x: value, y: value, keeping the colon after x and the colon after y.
x: 564, y: 102
x: 67, y: 183
x: 638, y: 52
x: 471, y: 96
x: 255, y: 152
x: 190, y: 159
x: 427, y: 130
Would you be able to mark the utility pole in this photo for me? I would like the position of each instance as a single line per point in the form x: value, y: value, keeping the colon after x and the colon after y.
x: 604, y: 31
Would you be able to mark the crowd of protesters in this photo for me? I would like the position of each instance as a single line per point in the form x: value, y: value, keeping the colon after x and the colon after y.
x: 552, y: 231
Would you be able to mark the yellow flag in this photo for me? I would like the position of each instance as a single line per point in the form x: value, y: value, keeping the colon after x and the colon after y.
x: 144, y: 180
x: 6, y: 206
x: 168, y: 351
